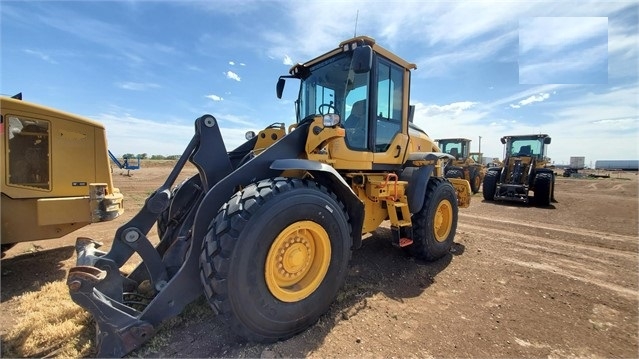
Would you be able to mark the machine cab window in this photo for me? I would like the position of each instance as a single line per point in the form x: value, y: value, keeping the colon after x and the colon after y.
x: 28, y: 152
x: 389, y: 104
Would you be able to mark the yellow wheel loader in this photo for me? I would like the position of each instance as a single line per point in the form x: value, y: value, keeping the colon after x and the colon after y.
x: 265, y: 231
x: 524, y: 169
x: 464, y: 165
x: 55, y: 173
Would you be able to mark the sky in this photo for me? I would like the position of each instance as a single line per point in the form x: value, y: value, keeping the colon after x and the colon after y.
x: 148, y: 69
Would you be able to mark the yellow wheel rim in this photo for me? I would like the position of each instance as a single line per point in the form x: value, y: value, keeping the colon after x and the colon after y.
x: 297, y: 261
x: 443, y: 220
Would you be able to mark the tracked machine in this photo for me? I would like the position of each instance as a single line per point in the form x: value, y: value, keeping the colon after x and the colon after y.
x: 265, y: 231
x: 524, y: 170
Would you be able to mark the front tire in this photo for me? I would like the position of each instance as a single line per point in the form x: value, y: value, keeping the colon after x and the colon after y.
x: 490, y: 185
x: 434, y: 226
x: 543, y: 188
x: 275, y: 257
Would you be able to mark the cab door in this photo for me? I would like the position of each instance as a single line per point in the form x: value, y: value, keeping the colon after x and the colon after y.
x: 389, y: 135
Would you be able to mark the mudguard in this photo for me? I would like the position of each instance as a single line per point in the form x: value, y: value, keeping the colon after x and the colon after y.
x: 328, y: 176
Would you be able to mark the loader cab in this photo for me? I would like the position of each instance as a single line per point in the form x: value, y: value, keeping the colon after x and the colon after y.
x: 456, y: 147
x: 534, y: 146
x: 363, y: 88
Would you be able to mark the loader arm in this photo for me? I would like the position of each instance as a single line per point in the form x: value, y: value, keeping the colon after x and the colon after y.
x: 96, y: 284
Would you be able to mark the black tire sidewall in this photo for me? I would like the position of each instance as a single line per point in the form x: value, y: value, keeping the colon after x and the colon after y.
x: 249, y: 297
x: 455, y: 173
x: 474, y: 175
x: 425, y: 246
x: 543, y: 188
x: 490, y: 185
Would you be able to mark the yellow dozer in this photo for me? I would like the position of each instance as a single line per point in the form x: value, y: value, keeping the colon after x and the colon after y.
x: 56, y: 176
x: 266, y: 231
x: 464, y: 165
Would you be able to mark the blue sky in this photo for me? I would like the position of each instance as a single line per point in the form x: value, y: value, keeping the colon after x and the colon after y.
x: 148, y: 69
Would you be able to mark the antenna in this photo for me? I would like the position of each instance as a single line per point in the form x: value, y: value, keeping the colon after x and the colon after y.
x: 356, y: 17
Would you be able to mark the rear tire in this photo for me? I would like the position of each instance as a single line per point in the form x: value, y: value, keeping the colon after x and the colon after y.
x: 454, y: 173
x: 475, y: 180
x: 490, y: 185
x: 275, y: 257
x: 434, y: 226
x: 543, y: 188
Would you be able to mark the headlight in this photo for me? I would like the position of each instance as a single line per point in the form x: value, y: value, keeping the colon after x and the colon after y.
x: 249, y: 135
x: 331, y: 119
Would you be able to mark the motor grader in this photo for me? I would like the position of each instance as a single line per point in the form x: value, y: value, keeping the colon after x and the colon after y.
x: 524, y: 169
x: 266, y: 230
x: 56, y: 175
x: 464, y: 165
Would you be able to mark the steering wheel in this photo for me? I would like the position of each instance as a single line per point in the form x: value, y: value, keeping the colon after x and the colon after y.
x: 329, y: 105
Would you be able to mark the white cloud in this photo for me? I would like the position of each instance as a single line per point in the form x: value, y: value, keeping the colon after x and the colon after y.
x: 137, y: 86
x: 553, y: 34
x: 214, y: 97
x: 232, y: 75
x: 534, y: 98
x: 231, y: 63
x: 40, y: 55
x: 453, y: 109
x: 287, y: 60
x: 526, y: 93
x: 127, y: 133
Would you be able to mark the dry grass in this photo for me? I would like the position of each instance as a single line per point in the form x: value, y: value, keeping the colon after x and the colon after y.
x: 50, y: 324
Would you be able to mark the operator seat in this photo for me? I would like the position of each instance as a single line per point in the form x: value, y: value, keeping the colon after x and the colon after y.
x: 454, y: 153
x: 355, y: 125
x: 525, y: 150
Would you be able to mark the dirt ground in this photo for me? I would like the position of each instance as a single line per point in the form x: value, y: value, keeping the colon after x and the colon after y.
x: 520, y: 282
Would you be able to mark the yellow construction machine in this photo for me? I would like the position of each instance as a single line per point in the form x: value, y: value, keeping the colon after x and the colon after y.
x: 464, y: 165
x: 524, y: 169
x: 266, y: 230
x: 55, y: 173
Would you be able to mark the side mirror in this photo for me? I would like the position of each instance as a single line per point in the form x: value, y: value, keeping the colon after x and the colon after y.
x: 411, y: 113
x: 503, y: 141
x: 279, y: 88
x: 362, y: 59
x: 547, y: 140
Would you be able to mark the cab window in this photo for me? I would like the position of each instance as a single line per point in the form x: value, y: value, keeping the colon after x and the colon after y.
x: 28, y: 152
x: 389, y: 104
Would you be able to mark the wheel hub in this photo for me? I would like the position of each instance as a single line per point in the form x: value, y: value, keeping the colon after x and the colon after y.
x: 294, y: 259
x: 297, y: 261
x: 443, y: 220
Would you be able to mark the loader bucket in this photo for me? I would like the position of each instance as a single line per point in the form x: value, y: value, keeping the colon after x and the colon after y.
x: 127, y: 309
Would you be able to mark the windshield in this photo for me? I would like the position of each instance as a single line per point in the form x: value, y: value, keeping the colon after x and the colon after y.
x: 525, y: 147
x: 333, y: 87
x: 454, y: 148
x: 328, y: 85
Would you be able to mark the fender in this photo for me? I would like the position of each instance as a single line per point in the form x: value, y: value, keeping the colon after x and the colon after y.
x: 329, y: 177
x: 417, y: 178
x: 417, y: 170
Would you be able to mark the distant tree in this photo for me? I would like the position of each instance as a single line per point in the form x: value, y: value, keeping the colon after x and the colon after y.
x: 143, y: 156
x: 157, y: 157
x: 128, y: 155
x: 172, y: 157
